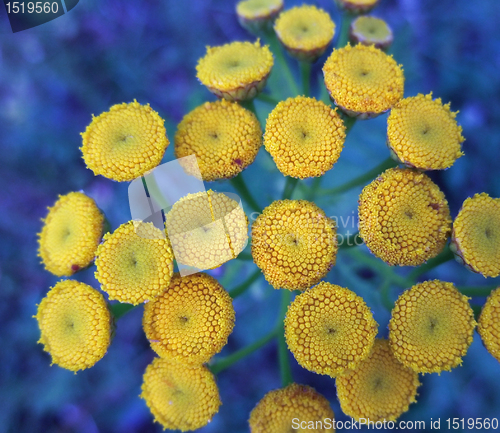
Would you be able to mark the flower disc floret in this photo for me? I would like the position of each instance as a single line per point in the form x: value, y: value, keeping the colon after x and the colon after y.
x: 488, y: 325
x: 304, y: 136
x: 371, y: 31
x: 431, y: 327
x: 329, y: 329
x: 404, y: 217
x: 294, y: 244
x: 71, y: 234
x: 258, y: 15
x: 357, y: 6
x: 124, y: 142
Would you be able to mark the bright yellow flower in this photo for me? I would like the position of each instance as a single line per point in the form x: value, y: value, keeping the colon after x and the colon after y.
x: 257, y: 15
x: 357, y: 6
x: 488, y: 325
x: 371, y: 31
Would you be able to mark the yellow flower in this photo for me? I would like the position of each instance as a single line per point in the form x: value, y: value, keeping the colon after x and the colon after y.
x: 124, y: 142
x: 431, y: 327
x: 257, y: 15
x: 235, y: 71
x: 379, y: 388
x: 371, y: 31
x: 71, y: 233
x: 476, y: 235
x: 294, y: 244
x: 278, y: 409
x: 75, y: 325
x: 134, y: 263
x: 305, y: 31
x: 423, y: 133
x: 488, y: 325
x: 329, y: 329
x: 180, y: 396
x: 357, y: 6
x: 304, y: 136
x: 363, y: 81
x: 404, y: 217
x: 224, y: 136
x: 191, y: 320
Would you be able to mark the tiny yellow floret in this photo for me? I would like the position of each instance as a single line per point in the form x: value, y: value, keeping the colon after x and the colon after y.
x: 488, y: 325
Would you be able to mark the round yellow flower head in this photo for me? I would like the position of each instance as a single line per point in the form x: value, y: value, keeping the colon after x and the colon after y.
x: 124, y: 142
x: 224, y: 136
x: 278, y: 409
x: 305, y: 31
x: 488, y: 325
x: 258, y: 15
x: 294, y: 244
x: 329, y: 329
x: 235, y: 71
x: 423, y: 133
x: 357, y: 6
x: 404, y: 217
x: 134, y: 263
x: 75, y: 325
x: 476, y: 235
x: 431, y: 327
x: 379, y: 388
x: 180, y: 397
x: 71, y: 233
x: 363, y: 81
x: 371, y: 31
x: 191, y: 320
x: 304, y: 136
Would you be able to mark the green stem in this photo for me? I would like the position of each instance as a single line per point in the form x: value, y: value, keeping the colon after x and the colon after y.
x: 119, y: 309
x: 264, y: 97
x: 291, y: 183
x: 240, y: 186
x: 478, y: 292
x: 349, y: 123
x: 244, y: 256
x: 284, y: 361
x: 350, y: 240
x: 311, y: 192
x: 240, y: 289
x: 443, y: 257
x: 250, y: 106
x: 305, y: 74
x: 385, y: 295
x: 345, y: 23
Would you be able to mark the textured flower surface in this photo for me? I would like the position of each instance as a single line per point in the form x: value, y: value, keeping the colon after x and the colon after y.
x: 224, y: 136
x: 431, y: 327
x: 476, y: 235
x: 488, y: 325
x: 404, y: 217
x: 304, y: 136
x: 357, y: 6
x: 371, y: 31
x: 180, y: 397
x: 379, y: 388
x: 75, y: 325
x: 124, y: 142
x: 277, y: 410
x: 329, y: 329
x: 71, y: 233
x: 294, y: 244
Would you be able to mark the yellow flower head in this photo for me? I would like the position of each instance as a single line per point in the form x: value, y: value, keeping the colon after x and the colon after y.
x: 224, y: 136
x: 180, y: 397
x: 305, y: 31
x: 207, y: 229
x: 124, y: 142
x: 431, y: 327
x: 379, y: 388
x: 404, y: 217
x: 257, y: 15
x: 423, y: 133
x: 488, y: 325
x: 363, y: 81
x: 329, y: 329
x: 476, y: 235
x: 191, y: 320
x: 294, y: 244
x: 371, y: 31
x: 235, y: 71
x: 134, y: 263
x: 304, y: 136
x: 277, y: 410
x: 75, y: 325
x: 71, y: 233
x: 357, y: 6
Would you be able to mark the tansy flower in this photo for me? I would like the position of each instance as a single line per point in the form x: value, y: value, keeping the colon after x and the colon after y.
x: 357, y: 6
x: 329, y: 329
x: 278, y: 410
x: 423, y: 133
x: 134, y: 263
x: 304, y: 136
x: 258, y: 15
x: 363, y: 81
x: 235, y: 71
x: 488, y: 325
x: 305, y: 31
x: 404, y: 217
x: 180, y: 397
x: 431, y: 327
x: 476, y: 235
x: 371, y: 31
x: 124, y: 142
x: 380, y: 388
x: 191, y: 320
x: 224, y: 136
x: 294, y: 244
x: 75, y: 325
x: 71, y: 233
